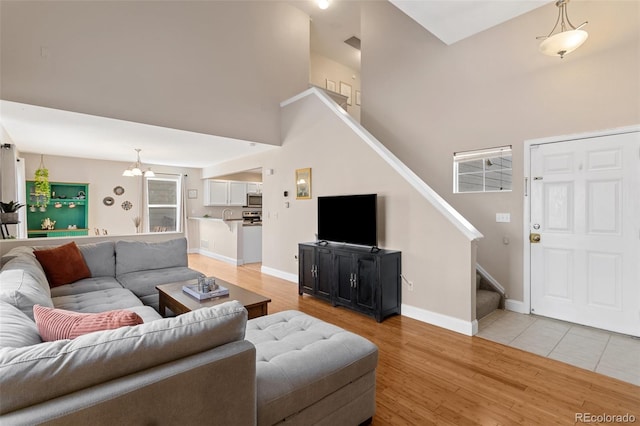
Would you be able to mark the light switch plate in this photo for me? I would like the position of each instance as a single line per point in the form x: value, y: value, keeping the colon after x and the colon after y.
x: 503, y: 217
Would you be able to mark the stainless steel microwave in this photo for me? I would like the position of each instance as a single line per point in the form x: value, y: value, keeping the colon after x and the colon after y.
x: 254, y: 200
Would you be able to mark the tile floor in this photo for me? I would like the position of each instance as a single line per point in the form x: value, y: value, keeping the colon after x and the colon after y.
x: 604, y: 352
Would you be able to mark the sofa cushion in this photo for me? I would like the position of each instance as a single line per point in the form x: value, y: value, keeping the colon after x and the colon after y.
x: 97, y: 301
x: 63, y: 264
x: 16, y: 329
x: 85, y: 286
x: 51, y: 369
x: 20, y: 289
x: 100, y: 258
x: 132, y: 256
x: 28, y: 264
x: 57, y: 324
x: 300, y: 360
x: 143, y: 283
x: 147, y: 313
x: 15, y: 252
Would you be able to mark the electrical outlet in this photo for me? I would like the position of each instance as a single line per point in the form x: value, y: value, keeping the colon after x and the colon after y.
x: 503, y: 217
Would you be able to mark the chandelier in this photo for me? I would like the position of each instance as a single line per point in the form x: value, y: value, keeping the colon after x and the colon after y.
x: 136, y: 168
x: 568, y: 39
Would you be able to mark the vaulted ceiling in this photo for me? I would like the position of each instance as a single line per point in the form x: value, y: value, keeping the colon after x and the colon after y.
x: 49, y: 131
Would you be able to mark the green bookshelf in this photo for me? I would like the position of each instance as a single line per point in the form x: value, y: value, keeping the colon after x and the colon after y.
x: 69, y: 206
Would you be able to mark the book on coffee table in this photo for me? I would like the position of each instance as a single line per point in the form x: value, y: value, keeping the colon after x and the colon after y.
x: 192, y: 290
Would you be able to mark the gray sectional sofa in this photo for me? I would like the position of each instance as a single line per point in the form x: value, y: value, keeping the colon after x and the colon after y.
x: 209, y: 366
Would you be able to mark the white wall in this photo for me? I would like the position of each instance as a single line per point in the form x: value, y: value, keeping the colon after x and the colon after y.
x: 323, y: 69
x: 436, y: 257
x: 8, y: 187
x: 103, y: 177
x: 425, y: 101
x: 206, y: 66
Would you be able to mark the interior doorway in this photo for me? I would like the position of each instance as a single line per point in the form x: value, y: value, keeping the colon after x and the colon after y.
x: 583, y: 228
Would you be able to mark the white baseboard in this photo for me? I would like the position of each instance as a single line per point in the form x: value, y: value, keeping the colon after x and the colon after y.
x: 220, y: 257
x: 468, y: 328
x: 516, y: 306
x: 279, y: 274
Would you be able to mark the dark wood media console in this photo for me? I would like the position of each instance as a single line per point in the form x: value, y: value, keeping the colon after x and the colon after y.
x: 351, y: 276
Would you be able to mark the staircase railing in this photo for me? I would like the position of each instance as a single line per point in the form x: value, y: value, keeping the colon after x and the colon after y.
x: 421, y: 186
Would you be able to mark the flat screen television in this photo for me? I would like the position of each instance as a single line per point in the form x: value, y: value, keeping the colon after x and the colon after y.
x: 349, y: 219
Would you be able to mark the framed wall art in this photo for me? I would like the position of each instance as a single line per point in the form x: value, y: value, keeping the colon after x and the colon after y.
x: 303, y: 184
x: 331, y: 85
x: 345, y: 89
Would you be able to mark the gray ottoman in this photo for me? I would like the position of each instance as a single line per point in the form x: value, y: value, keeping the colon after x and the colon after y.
x: 311, y: 372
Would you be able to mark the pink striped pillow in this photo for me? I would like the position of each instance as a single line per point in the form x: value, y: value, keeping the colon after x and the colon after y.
x: 56, y: 324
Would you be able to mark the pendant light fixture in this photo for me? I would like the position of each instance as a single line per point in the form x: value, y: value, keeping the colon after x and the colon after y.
x: 136, y: 168
x: 568, y: 39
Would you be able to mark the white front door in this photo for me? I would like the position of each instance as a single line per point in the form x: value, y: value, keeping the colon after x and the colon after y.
x: 585, y: 208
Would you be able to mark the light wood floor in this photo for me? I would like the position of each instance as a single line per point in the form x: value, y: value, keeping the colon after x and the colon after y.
x: 429, y: 375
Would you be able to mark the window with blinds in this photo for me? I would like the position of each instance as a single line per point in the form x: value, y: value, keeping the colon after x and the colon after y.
x: 486, y: 170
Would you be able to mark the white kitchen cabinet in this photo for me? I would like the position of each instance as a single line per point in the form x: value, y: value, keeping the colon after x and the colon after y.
x: 237, y: 193
x: 225, y: 193
x: 216, y: 192
x: 254, y: 187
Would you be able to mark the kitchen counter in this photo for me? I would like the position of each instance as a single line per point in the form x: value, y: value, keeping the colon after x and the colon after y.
x: 219, y: 219
x: 229, y: 240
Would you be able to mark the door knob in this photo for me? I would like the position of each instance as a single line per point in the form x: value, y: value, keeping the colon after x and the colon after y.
x: 534, y: 238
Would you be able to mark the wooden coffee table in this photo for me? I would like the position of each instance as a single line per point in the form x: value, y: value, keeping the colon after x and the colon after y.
x: 172, y: 297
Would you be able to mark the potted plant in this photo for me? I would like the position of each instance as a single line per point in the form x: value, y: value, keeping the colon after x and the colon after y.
x: 9, y: 212
x: 42, y: 189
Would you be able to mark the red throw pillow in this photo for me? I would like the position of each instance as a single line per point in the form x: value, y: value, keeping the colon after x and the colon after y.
x: 63, y: 265
x: 56, y: 324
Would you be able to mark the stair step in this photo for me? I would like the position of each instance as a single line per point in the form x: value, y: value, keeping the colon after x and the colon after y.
x: 486, y: 302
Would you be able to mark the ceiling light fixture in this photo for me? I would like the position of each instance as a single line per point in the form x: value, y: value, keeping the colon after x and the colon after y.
x: 323, y: 4
x: 567, y: 40
x: 136, y: 168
